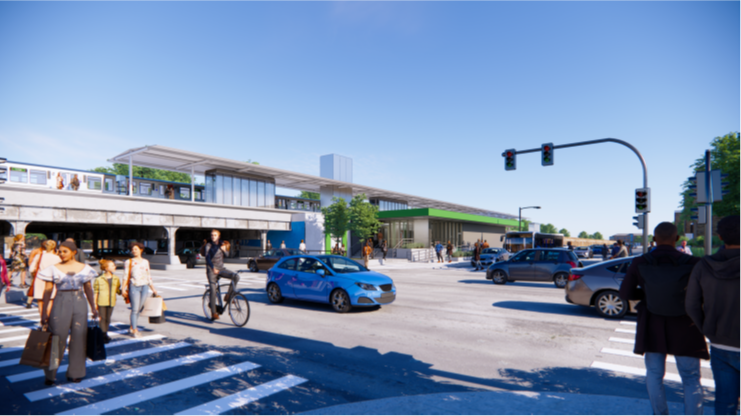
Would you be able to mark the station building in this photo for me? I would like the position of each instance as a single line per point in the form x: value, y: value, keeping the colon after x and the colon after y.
x: 238, y: 198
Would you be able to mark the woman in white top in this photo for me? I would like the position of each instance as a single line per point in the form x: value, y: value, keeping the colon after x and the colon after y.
x: 71, y: 279
x: 302, y: 246
x: 47, y: 258
x: 137, y: 281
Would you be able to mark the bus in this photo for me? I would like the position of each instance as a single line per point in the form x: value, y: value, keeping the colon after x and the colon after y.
x: 520, y: 240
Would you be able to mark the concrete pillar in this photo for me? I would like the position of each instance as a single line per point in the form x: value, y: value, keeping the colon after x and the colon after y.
x: 263, y: 240
x: 171, y: 245
x: 19, y: 227
x: 192, y: 183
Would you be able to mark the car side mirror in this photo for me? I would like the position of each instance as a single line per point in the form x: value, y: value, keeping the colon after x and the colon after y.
x: 321, y: 272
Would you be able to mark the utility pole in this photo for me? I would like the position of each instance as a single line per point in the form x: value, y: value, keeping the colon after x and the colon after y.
x: 708, y: 206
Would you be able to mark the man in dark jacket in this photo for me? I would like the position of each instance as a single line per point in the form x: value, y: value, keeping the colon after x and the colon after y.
x: 713, y: 304
x: 658, y: 335
x: 214, y: 254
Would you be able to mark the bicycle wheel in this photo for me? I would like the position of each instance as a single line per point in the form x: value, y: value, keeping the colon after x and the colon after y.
x: 239, y: 309
x: 207, y: 304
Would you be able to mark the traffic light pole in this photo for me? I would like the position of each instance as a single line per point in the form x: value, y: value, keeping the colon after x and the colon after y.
x: 708, y: 207
x: 644, y: 240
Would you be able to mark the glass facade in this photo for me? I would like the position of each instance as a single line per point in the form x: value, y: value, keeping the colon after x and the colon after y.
x: 397, y: 233
x: 384, y: 205
x: 234, y: 190
x: 444, y: 231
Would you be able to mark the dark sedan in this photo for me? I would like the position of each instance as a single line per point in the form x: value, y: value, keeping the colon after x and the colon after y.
x: 269, y: 258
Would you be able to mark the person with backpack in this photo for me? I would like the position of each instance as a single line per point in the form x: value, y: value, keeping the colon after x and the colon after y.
x: 713, y: 304
x: 659, y: 279
x: 439, y: 252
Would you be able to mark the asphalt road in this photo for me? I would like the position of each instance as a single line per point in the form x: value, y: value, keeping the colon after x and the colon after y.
x: 450, y: 330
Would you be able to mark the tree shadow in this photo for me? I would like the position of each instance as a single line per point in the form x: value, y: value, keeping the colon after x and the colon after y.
x: 549, y: 308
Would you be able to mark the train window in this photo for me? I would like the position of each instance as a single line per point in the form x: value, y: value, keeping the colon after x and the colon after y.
x: 109, y: 184
x: 38, y: 177
x: 145, y: 189
x: 19, y: 175
x: 93, y: 183
x: 184, y: 193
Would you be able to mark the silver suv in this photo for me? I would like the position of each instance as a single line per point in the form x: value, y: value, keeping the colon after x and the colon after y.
x: 538, y: 265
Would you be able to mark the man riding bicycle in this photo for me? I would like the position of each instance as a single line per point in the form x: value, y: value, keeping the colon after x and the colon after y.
x: 214, y: 252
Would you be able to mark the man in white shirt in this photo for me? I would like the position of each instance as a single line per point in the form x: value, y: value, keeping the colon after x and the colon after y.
x: 684, y: 249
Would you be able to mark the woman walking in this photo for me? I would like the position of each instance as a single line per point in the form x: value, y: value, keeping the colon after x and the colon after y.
x: 19, y: 258
x: 106, y: 287
x: 137, y: 283
x: 69, y: 312
x: 45, y: 259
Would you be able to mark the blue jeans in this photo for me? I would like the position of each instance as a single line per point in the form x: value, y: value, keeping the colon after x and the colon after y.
x: 137, y: 294
x: 726, y: 374
x: 689, y: 370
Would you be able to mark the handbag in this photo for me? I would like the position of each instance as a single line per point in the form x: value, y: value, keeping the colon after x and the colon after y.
x: 152, y: 307
x: 95, y: 343
x: 41, y: 350
x: 128, y: 284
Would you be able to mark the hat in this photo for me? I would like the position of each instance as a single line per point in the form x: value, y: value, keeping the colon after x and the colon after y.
x: 70, y: 244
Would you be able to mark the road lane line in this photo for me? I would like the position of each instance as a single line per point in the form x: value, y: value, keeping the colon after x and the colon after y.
x: 244, y: 397
x: 159, y: 391
x: 113, y: 377
x: 636, y: 371
x: 625, y: 331
x: 630, y: 354
x: 627, y: 323
x: 623, y: 340
x: 110, y: 360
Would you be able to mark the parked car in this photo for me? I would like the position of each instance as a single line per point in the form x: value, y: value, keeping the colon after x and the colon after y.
x: 118, y: 255
x: 539, y: 265
x: 269, y: 258
x: 585, y: 252
x: 597, y: 250
x: 190, y: 257
x: 599, y: 286
x: 492, y: 255
x: 336, y: 280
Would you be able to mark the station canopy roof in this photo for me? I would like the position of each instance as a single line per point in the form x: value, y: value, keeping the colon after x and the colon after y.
x: 168, y: 158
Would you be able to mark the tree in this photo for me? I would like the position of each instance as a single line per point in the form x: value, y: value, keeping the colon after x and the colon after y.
x: 149, y: 173
x: 724, y: 155
x: 548, y: 228
x: 583, y: 234
x: 565, y: 232
x: 336, y: 218
x: 310, y: 195
x: 363, y: 217
x: 597, y: 236
x: 524, y: 225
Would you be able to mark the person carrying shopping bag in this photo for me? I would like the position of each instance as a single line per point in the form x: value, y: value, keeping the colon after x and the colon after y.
x: 47, y: 257
x: 137, y: 284
x: 69, y: 313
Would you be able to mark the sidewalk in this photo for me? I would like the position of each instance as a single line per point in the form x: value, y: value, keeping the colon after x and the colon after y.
x: 502, y: 403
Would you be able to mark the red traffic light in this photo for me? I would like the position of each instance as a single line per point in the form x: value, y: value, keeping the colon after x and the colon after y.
x: 547, y: 148
x: 509, y: 154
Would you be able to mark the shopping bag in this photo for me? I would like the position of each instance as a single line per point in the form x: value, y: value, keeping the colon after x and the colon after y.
x: 38, y: 349
x: 157, y: 319
x: 152, y: 307
x: 95, y: 343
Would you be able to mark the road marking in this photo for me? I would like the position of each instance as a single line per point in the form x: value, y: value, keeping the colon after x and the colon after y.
x: 244, y: 397
x: 625, y: 331
x: 27, y: 320
x: 110, y: 360
x: 198, y: 287
x: 8, y: 318
x: 113, y: 377
x: 623, y: 340
x: 11, y: 307
x: 636, y: 371
x: 627, y: 323
x: 172, y: 288
x: 22, y: 328
x: 159, y: 391
x: 18, y: 309
x: 625, y: 353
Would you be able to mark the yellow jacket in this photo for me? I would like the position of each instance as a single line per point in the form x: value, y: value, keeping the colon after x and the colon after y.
x: 107, y: 294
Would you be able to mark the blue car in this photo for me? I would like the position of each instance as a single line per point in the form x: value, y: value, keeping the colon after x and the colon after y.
x: 336, y: 280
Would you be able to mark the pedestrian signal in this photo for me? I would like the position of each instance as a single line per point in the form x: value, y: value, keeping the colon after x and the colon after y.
x: 639, y: 221
x: 546, y: 154
x: 643, y: 200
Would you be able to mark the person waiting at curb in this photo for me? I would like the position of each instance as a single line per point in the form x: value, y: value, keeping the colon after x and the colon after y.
x: 439, y: 252
x: 713, y: 304
x: 659, y: 279
x: 449, y: 250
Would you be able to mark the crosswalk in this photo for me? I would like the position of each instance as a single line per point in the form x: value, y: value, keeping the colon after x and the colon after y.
x: 624, y: 361
x: 191, y: 378
x: 171, y: 284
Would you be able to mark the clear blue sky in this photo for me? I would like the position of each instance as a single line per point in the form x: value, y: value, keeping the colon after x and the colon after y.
x: 423, y: 96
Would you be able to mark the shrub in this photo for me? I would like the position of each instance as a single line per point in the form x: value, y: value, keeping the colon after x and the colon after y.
x: 413, y: 245
x: 462, y: 253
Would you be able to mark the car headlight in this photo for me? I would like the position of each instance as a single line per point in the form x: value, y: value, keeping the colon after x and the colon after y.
x: 366, y: 286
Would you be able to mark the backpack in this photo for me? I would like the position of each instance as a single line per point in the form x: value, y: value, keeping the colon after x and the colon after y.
x: 665, y: 285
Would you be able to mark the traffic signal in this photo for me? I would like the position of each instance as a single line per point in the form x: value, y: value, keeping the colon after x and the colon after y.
x: 639, y: 221
x: 546, y: 154
x: 510, y: 162
x: 643, y: 200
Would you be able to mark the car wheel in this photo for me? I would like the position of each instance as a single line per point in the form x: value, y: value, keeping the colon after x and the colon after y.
x: 274, y: 293
x: 609, y: 304
x: 253, y: 267
x: 560, y: 280
x: 340, y: 301
x: 498, y: 277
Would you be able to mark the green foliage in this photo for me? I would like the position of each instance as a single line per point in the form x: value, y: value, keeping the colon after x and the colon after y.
x: 724, y: 155
x: 336, y: 218
x: 149, y: 173
x: 548, y: 228
x: 525, y: 225
x: 583, y: 234
x: 462, y: 253
x: 310, y: 195
x: 413, y: 245
x: 597, y: 236
x: 565, y: 232
x: 363, y: 217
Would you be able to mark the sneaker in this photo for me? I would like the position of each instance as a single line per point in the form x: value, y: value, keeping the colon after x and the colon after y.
x: 215, y: 317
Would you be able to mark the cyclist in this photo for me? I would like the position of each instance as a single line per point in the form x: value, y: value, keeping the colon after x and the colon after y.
x: 214, y: 251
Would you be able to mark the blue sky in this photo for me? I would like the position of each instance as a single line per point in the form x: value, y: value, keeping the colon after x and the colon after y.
x: 423, y: 96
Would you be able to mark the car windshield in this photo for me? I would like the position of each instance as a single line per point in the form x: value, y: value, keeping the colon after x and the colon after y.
x: 491, y: 250
x: 292, y: 252
x: 342, y: 265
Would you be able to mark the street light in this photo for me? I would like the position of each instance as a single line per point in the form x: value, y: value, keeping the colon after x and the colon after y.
x: 519, y: 224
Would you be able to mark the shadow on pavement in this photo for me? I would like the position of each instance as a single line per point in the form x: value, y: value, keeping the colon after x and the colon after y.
x: 549, y: 308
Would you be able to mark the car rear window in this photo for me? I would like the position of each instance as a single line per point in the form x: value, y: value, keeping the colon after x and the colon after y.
x: 571, y: 256
x: 620, y: 267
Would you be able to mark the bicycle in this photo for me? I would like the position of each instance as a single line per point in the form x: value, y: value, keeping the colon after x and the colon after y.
x: 237, y: 303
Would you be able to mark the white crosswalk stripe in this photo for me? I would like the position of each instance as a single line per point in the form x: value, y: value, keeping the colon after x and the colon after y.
x: 4, y: 308
x: 628, y: 323
x: 637, y: 371
x: 8, y: 318
x: 171, y: 288
x: 622, y: 340
x: 625, y: 331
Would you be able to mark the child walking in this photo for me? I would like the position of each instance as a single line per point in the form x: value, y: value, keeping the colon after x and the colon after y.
x: 106, y: 287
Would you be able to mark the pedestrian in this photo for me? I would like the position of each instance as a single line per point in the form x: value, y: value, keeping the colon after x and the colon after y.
x: 373, y: 251
x: 449, y: 250
x: 283, y: 244
x: 614, y: 249
x: 47, y: 258
x: 105, y: 288
x: 630, y: 249
x: 342, y: 249
x: 477, y: 256
x: 31, y: 258
x: 652, y: 247
x: 684, y: 249
x: 19, y: 258
x: 570, y: 246
x: 4, y: 280
x: 214, y: 252
x: 74, y: 183
x: 268, y: 246
x: 660, y: 279
x: 384, y: 250
x: 68, y: 316
x: 302, y: 246
x: 137, y: 283
x: 366, y: 254
x: 621, y: 252
x: 486, y: 244
x: 713, y: 303
x: 604, y: 252
x: 439, y: 252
